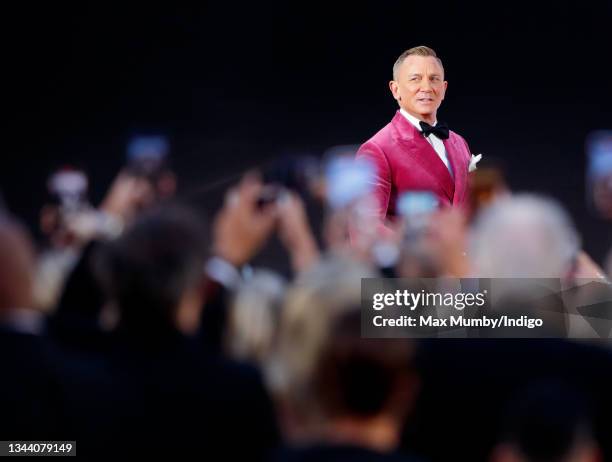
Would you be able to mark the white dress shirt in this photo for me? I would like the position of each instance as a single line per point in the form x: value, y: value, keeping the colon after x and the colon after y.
x: 435, y: 142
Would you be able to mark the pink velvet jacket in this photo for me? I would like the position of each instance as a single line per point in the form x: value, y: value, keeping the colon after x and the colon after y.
x: 406, y: 161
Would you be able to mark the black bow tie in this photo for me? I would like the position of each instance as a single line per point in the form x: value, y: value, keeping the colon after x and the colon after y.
x: 440, y: 130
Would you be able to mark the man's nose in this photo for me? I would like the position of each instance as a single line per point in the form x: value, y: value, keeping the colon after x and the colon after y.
x: 425, y: 85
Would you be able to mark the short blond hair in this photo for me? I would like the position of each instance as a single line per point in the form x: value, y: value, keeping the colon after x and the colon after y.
x: 421, y: 50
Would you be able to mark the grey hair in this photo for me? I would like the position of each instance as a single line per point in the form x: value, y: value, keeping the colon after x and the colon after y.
x: 523, y: 236
x: 420, y: 50
x: 328, y: 290
x: 253, y: 316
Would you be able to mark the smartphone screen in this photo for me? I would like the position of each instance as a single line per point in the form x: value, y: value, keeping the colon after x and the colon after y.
x: 147, y: 154
x: 415, y: 203
x: 415, y: 208
x: 599, y: 173
x: 348, y: 179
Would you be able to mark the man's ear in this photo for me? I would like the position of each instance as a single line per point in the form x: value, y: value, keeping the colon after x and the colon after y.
x: 394, y: 87
x: 445, y: 87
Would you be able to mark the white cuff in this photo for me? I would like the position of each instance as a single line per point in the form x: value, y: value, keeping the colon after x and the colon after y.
x: 223, y: 272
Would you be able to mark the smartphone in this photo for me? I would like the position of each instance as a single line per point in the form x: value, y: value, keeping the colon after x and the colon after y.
x: 599, y: 173
x: 411, y: 204
x: 415, y: 208
x: 147, y: 155
x: 348, y: 179
x: 270, y: 194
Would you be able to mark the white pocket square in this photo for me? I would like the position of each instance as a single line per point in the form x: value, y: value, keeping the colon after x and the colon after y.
x: 473, y: 161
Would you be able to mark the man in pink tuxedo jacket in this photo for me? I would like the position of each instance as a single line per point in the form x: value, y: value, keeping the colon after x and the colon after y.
x: 414, y: 152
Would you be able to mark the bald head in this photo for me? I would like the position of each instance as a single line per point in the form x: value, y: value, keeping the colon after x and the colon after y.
x: 16, y: 265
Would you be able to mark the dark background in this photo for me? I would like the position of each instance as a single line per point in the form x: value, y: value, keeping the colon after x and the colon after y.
x: 235, y: 85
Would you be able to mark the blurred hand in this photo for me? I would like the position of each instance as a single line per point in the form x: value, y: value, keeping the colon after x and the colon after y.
x: 241, y: 228
x: 127, y: 195
x: 447, y: 233
x: 356, y: 230
x: 295, y: 233
x: 586, y: 269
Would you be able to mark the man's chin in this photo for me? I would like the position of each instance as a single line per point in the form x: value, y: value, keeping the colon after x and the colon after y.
x: 419, y: 112
x: 426, y: 114
x: 426, y: 109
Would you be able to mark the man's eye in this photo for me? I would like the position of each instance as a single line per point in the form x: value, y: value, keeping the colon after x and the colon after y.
x: 435, y: 79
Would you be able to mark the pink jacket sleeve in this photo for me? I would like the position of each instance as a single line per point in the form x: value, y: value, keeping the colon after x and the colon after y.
x: 382, y: 187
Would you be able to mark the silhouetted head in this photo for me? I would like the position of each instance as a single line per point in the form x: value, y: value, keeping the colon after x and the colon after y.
x: 154, y: 271
x: 547, y: 422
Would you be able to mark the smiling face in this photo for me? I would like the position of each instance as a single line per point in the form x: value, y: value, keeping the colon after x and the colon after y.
x: 418, y: 85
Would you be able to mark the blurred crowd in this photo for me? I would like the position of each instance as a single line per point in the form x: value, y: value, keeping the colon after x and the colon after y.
x: 138, y: 328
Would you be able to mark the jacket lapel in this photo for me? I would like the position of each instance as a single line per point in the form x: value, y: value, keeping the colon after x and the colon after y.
x: 458, y: 161
x: 423, y: 153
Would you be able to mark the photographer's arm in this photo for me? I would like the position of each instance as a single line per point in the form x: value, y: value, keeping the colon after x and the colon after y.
x: 294, y: 232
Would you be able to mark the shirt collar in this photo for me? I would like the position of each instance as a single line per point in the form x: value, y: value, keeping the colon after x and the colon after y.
x: 413, y: 120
